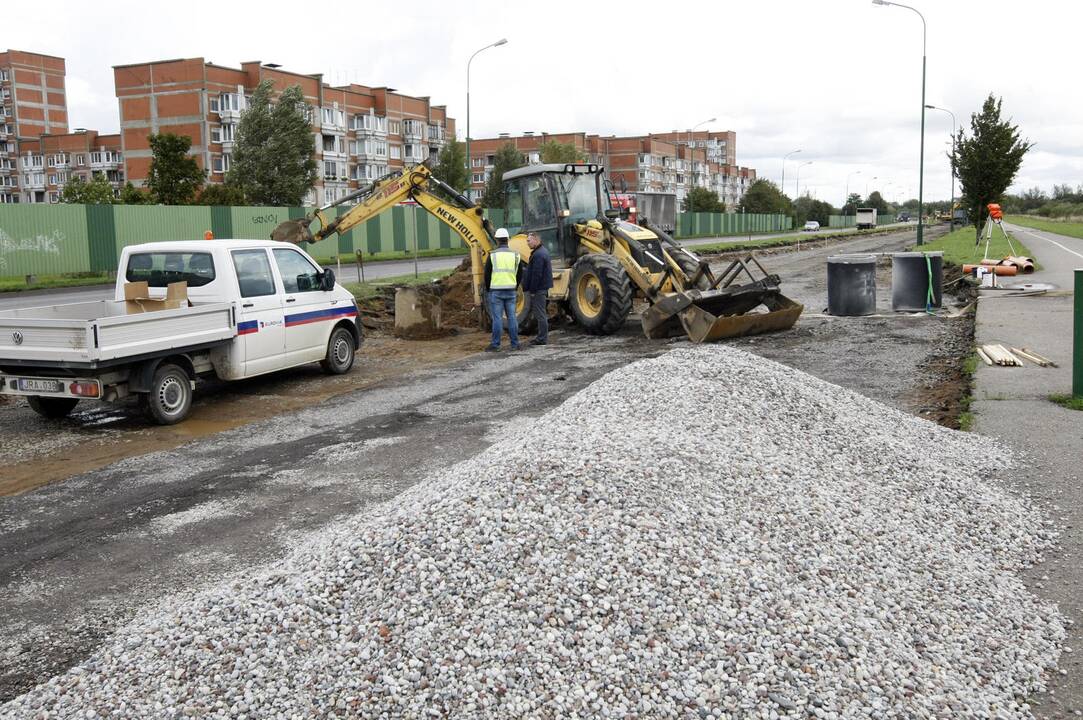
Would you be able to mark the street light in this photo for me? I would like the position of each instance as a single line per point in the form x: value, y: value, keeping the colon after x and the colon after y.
x: 953, y: 124
x: 798, y: 189
x: 867, y: 187
x: 469, y: 162
x: 784, y: 168
x: 692, y: 162
x: 847, y: 198
x: 921, y: 156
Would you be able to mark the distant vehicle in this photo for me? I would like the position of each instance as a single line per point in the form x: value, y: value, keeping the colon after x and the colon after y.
x: 866, y: 218
x: 903, y: 217
x: 812, y: 226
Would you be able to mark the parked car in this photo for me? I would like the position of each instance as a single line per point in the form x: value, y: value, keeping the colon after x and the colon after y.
x: 903, y: 217
x: 812, y: 226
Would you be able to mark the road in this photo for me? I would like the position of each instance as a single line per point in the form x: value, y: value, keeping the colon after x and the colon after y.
x: 349, y: 273
x: 82, y: 555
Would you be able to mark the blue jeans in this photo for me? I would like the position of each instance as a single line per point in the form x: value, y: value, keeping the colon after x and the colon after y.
x: 501, y: 302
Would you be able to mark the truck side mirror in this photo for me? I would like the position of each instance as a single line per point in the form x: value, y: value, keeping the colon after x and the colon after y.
x: 327, y: 280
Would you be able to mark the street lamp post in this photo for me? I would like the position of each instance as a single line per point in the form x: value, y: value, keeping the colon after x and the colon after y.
x: 469, y: 163
x: 953, y: 127
x: 783, y: 188
x: 921, y: 156
x: 798, y: 188
x: 847, y: 198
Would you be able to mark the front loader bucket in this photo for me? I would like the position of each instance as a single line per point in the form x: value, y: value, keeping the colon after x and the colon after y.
x: 723, y: 312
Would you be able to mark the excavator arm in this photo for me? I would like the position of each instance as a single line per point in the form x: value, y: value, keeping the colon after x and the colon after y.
x: 417, y: 183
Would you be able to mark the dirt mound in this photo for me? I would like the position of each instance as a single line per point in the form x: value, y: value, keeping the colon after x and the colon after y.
x: 459, y: 309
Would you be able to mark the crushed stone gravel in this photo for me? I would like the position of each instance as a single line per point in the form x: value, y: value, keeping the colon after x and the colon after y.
x: 705, y: 534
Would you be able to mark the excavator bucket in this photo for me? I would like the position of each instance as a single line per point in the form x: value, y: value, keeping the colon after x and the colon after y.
x: 293, y: 231
x: 724, y: 310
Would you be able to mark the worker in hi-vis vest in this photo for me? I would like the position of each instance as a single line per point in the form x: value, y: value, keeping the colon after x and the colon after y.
x: 503, y: 271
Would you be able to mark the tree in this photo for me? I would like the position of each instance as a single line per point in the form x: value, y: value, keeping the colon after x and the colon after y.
x: 763, y: 196
x: 174, y: 177
x: 451, y: 165
x: 876, y: 200
x: 224, y: 195
x: 853, y: 202
x: 552, y: 151
x: 131, y: 195
x: 273, y: 155
x: 507, y: 158
x: 805, y: 208
x: 96, y: 192
x: 987, y: 161
x: 700, y: 199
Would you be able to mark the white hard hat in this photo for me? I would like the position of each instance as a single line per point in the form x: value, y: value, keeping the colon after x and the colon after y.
x: 501, y: 234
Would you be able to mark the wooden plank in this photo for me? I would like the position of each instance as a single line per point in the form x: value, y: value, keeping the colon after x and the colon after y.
x: 985, y: 358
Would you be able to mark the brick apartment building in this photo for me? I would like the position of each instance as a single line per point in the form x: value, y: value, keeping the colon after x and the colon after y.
x: 38, y: 155
x: 359, y: 132
x: 672, y: 162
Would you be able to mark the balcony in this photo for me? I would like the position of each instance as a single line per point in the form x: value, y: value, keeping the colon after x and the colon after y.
x: 107, y: 162
x: 412, y: 131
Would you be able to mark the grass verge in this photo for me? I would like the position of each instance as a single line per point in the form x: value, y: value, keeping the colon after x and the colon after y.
x: 45, y: 282
x: 1072, y: 402
x: 959, y: 248
x: 365, y: 290
x: 1071, y: 229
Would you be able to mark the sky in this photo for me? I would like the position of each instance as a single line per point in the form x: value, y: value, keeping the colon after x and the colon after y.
x: 838, y: 79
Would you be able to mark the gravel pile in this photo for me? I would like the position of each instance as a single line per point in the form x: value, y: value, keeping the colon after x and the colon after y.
x: 704, y: 534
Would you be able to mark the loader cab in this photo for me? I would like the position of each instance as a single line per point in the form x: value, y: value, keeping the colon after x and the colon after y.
x: 550, y: 199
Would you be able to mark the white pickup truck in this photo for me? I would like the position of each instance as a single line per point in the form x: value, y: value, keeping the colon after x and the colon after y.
x: 254, y: 306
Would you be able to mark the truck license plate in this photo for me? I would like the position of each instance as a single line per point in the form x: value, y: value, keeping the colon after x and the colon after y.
x: 32, y: 385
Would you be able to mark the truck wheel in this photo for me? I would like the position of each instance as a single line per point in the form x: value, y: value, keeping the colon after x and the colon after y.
x: 170, y: 396
x: 600, y: 294
x: 340, y: 352
x: 51, y: 407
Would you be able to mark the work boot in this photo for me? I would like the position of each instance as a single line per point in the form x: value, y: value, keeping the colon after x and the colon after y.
x: 536, y: 341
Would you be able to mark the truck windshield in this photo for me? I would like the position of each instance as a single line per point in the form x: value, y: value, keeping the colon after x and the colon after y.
x: 158, y: 269
x: 580, y: 196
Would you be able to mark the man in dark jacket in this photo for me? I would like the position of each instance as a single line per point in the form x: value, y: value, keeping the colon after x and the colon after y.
x: 538, y: 280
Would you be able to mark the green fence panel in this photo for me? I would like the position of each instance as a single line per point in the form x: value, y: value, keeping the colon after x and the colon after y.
x: 398, y: 228
x: 155, y: 223
x: 255, y: 223
x: 101, y: 234
x: 445, y: 237
x: 43, y: 240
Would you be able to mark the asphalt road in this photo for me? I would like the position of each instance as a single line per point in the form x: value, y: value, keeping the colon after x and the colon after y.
x: 81, y: 556
x: 349, y: 273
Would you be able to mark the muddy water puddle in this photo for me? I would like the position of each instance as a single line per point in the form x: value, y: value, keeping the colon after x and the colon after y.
x: 39, y: 451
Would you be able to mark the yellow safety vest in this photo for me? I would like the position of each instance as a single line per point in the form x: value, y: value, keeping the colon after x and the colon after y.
x: 505, y: 266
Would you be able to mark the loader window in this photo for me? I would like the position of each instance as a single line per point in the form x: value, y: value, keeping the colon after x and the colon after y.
x: 513, y: 207
x: 580, y: 197
x: 538, y: 204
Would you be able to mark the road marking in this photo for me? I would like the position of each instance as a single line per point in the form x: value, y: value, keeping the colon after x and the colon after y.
x: 1028, y: 232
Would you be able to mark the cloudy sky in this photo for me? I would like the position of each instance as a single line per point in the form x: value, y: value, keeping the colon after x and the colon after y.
x: 839, y: 79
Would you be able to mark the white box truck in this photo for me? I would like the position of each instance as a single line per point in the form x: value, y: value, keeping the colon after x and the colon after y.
x: 866, y: 218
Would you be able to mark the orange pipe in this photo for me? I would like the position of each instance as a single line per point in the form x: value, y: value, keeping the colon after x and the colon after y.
x: 1005, y: 270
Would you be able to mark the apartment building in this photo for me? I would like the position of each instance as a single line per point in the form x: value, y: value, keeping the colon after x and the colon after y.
x: 359, y: 132
x: 657, y: 162
x: 51, y: 161
x: 33, y: 103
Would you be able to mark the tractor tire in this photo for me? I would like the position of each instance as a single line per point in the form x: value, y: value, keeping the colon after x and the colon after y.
x: 523, y: 317
x: 689, y: 267
x: 53, y: 408
x: 340, y: 352
x: 170, y: 396
x: 600, y: 294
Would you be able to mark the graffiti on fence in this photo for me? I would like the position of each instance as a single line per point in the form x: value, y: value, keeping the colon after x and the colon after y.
x: 47, y: 244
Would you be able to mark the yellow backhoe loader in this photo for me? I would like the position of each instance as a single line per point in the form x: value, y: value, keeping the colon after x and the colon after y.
x: 601, y: 263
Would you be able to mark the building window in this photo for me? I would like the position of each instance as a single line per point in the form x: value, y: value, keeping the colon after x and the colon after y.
x: 213, y: 103
x: 54, y: 197
x: 52, y: 178
x: 477, y: 162
x: 80, y: 160
x: 396, y: 152
x: 328, y: 195
x: 477, y: 178
x: 3, y: 75
x: 227, y: 132
x: 394, y: 127
x: 216, y: 133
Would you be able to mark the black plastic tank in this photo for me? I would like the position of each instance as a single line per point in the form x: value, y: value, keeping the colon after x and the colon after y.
x: 851, y: 285
x: 913, y: 274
